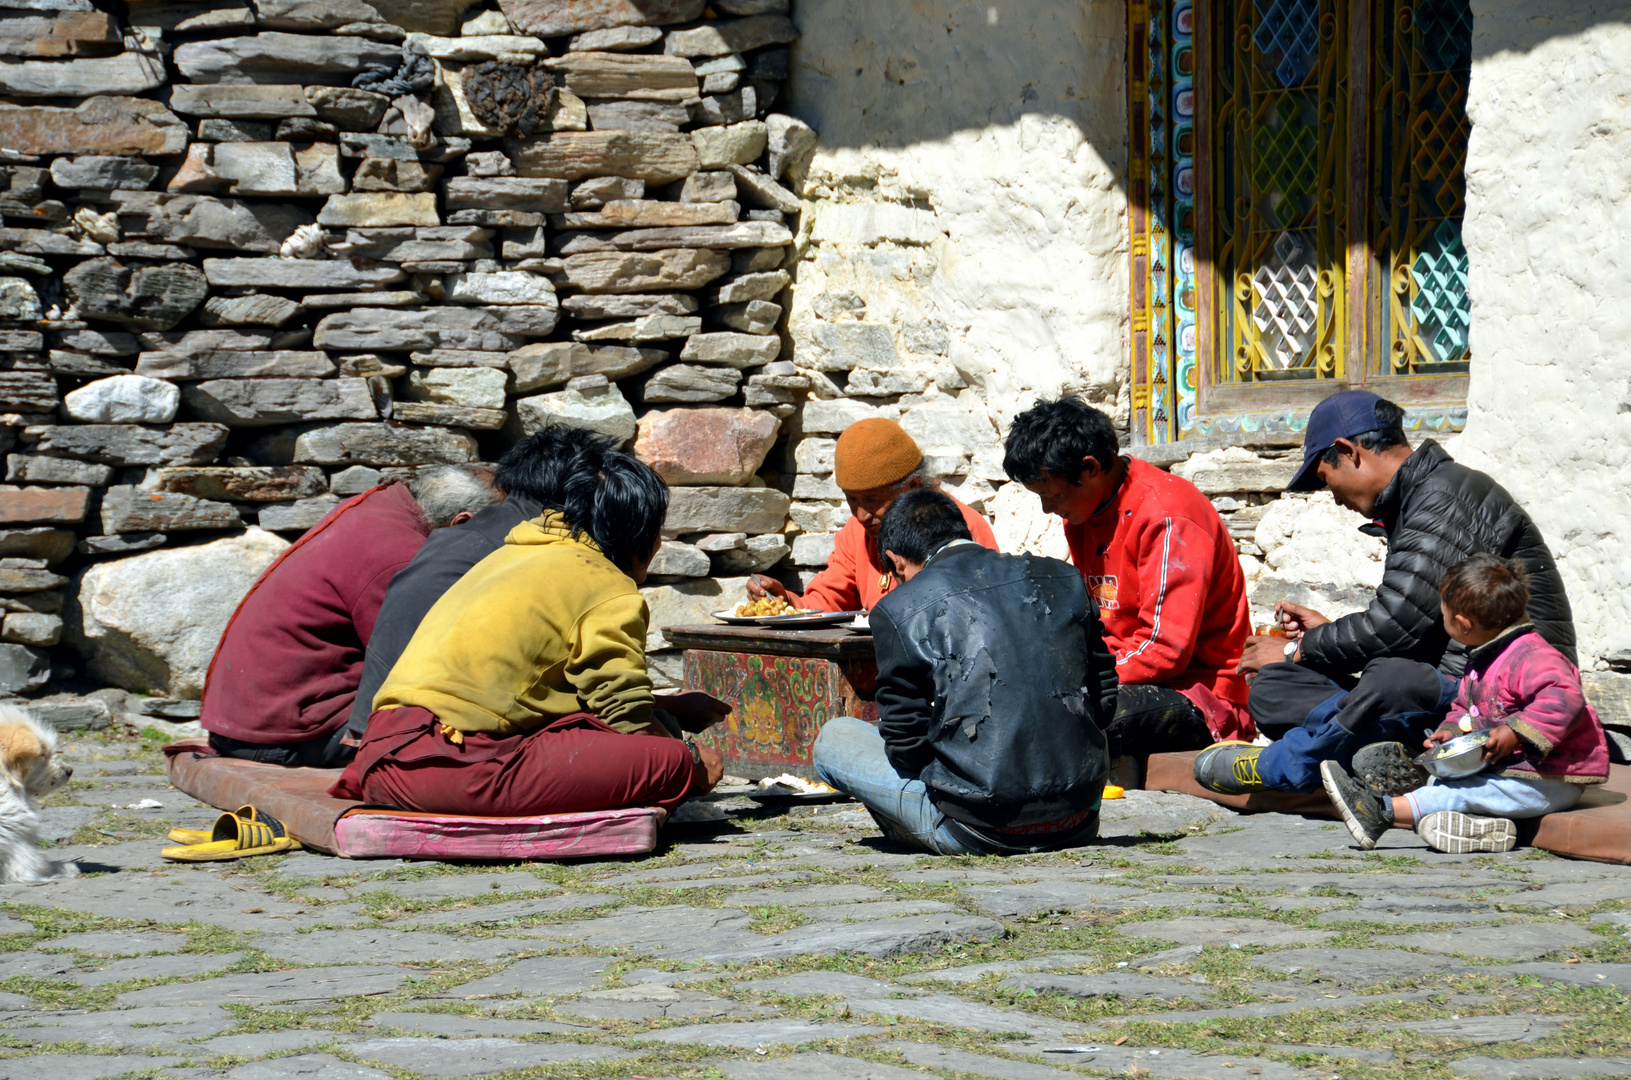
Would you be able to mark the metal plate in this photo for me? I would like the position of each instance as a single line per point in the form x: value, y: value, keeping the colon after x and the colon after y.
x: 808, y: 620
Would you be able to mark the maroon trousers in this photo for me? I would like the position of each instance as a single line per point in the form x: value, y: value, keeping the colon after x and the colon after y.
x: 572, y: 764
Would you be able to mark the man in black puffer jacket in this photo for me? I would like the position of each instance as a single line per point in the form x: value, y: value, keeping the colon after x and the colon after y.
x: 1434, y: 513
x: 994, y: 683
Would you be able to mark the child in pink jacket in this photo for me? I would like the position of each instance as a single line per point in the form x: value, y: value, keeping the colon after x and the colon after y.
x: 1545, y: 742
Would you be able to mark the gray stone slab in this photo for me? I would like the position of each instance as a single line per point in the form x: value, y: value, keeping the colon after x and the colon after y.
x: 952, y: 877
x: 539, y: 975
x: 145, y: 1027
x: 954, y: 1012
x: 1302, y: 1003
x: 456, y: 1026
x: 807, y: 895
x: 261, y: 1043
x: 1410, y: 910
x: 1114, y: 984
x: 825, y: 984
x: 677, y: 931
x: 475, y: 1057
x: 387, y: 946
x: 1486, y: 1030
x: 1035, y: 898
x: 1209, y: 930
x: 76, y: 1066
x: 1358, y: 967
x: 755, y: 1033
x: 275, y: 987
x: 181, y: 965
x: 181, y: 896
x: 1621, y: 919
x: 1520, y: 941
x: 973, y: 973
x: 1571, y: 894
x: 508, y: 910
x: 963, y: 1061
x: 653, y: 1001
x: 312, y: 864
x: 307, y: 1067
x: 737, y: 882
x: 882, y: 909
x: 14, y: 1001
x: 1582, y: 974
x: 1540, y: 1068
x: 1179, y: 957
x: 119, y: 942
x: 909, y: 936
x: 59, y: 968
x: 459, y: 885
x: 11, y: 924
x: 1161, y: 1062
x: 817, y: 1067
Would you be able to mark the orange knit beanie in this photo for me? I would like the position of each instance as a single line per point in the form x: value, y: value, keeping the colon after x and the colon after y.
x: 873, y: 454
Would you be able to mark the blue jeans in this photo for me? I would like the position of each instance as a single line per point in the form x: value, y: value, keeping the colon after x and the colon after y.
x: 1293, y: 763
x: 849, y: 755
x: 1494, y: 796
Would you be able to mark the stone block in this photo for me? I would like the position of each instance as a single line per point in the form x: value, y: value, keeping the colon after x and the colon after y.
x: 298, y: 516
x: 153, y: 297
x: 354, y: 480
x: 691, y: 383
x: 128, y: 444
x: 549, y: 18
x: 552, y: 363
x: 634, y: 272
x: 299, y: 273
x: 27, y: 391
x: 32, y: 628
x: 615, y: 39
x: 706, y: 446
x: 18, y: 300
x: 689, y: 603
x: 753, y: 510
x: 753, y: 317
x: 645, y: 328
x: 726, y: 36
x: 280, y: 58
x: 267, y: 402
x: 129, y: 509
x: 756, y: 189
x: 127, y: 73
x: 825, y: 346
x: 731, y: 144
x: 240, y: 101
x: 733, y: 350
x: 601, y: 409
x: 249, y: 483
x: 757, y: 553
x: 388, y: 174
x: 600, y: 190
x: 653, y: 156
x: 651, y: 213
x: 502, y: 287
x: 232, y: 364
x: 47, y: 545
x: 255, y: 309
x: 348, y: 108
x: 812, y: 549
x: 208, y: 222
x: 832, y: 417
x: 537, y: 195
x: 679, y: 560
x: 124, y: 399
x: 385, y: 330
x: 749, y: 287
x: 43, y: 506
x: 471, y: 388
x: 744, y: 234
x: 380, y: 209
x: 625, y: 307
x: 791, y: 143
x: 1235, y: 469
x: 47, y: 32
x: 151, y: 622
x: 101, y: 125
x: 383, y: 444
x: 23, y: 669
x: 629, y: 77
x: 96, y: 172
x: 459, y: 416
x: 637, y: 116
x: 278, y: 168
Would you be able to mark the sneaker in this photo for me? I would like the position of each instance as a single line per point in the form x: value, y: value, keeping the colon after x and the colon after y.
x: 1363, y: 810
x: 1229, y: 768
x: 1388, y: 768
x: 1462, y: 834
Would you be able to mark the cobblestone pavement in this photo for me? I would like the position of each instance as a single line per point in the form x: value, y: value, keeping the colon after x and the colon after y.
x: 765, y: 945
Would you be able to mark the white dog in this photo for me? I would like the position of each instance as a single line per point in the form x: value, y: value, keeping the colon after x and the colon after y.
x: 29, y: 771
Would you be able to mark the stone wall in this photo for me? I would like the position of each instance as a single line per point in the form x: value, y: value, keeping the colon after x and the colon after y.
x: 258, y: 255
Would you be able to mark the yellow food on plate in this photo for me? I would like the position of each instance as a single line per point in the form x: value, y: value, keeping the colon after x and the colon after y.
x: 764, y: 607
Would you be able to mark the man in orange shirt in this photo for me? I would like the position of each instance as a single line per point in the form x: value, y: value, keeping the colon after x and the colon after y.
x: 1161, y: 566
x: 873, y: 463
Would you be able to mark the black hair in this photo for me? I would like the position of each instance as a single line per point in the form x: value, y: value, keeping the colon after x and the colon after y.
x: 1052, y: 437
x: 540, y: 465
x: 919, y: 523
x: 1490, y: 591
x: 1388, y: 433
x: 619, y: 502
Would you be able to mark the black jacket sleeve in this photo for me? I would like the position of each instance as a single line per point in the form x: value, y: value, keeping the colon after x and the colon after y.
x: 904, y: 696
x: 1103, y: 668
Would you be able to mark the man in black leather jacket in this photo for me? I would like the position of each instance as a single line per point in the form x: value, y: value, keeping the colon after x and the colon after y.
x: 993, y: 685
x: 1434, y: 514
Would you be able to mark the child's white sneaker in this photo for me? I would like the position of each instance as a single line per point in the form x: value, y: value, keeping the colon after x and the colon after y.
x: 1462, y: 834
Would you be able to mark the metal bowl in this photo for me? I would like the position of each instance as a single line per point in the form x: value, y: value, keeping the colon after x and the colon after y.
x: 1461, y: 756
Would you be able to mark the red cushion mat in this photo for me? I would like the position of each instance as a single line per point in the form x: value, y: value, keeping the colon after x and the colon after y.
x: 1598, y: 829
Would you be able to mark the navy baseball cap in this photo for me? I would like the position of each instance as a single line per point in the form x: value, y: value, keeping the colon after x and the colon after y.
x: 1340, y: 416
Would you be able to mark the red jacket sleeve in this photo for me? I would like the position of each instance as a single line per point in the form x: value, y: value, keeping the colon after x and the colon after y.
x: 1174, y: 558
x: 837, y: 588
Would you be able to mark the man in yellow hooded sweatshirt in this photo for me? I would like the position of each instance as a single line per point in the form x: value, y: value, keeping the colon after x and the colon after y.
x: 524, y: 690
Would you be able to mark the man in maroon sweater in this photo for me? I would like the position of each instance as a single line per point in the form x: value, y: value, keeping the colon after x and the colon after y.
x: 284, y: 675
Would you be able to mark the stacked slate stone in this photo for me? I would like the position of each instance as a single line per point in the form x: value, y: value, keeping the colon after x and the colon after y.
x: 258, y: 255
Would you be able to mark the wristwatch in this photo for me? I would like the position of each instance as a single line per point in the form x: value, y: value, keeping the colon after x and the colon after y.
x: 1291, y: 649
x: 696, y: 755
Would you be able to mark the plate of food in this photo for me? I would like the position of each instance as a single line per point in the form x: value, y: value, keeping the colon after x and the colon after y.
x: 773, y: 611
x: 787, y: 788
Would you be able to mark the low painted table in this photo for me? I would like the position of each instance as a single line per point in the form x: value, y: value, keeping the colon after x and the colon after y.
x: 781, y: 685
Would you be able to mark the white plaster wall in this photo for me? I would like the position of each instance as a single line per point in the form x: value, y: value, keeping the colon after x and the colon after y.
x: 1548, y: 235
x: 967, y: 193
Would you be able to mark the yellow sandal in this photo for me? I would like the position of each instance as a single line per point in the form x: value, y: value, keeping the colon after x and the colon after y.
x: 202, y: 836
x: 235, y: 837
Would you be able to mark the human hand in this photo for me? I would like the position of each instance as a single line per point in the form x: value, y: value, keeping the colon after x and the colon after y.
x: 762, y: 585
x: 1442, y: 735
x: 1297, y: 620
x: 707, y: 770
x: 1259, y: 653
x: 694, y: 710
x: 1503, y: 743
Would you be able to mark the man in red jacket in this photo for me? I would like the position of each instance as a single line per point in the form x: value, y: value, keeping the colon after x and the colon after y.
x: 284, y: 675
x: 874, y: 462
x: 1163, y: 569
